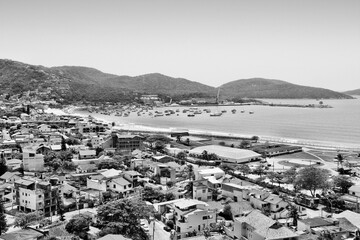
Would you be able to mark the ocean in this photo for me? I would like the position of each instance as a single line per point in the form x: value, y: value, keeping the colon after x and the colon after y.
x: 337, y: 126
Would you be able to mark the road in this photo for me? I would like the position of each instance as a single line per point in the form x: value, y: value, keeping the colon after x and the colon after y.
x: 159, y: 233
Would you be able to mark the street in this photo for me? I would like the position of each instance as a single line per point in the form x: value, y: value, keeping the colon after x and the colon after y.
x: 159, y: 233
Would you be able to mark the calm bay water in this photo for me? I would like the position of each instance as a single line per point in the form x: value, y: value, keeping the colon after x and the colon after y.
x: 338, y: 125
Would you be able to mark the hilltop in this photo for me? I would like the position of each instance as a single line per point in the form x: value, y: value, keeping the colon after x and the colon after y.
x: 353, y: 92
x: 269, y: 88
x: 67, y: 84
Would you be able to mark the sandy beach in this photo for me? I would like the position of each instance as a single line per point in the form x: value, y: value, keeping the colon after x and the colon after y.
x: 132, y: 127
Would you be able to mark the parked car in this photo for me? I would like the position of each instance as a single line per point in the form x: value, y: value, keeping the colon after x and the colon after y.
x: 167, y: 228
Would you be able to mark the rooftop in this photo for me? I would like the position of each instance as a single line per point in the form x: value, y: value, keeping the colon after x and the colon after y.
x: 226, y: 152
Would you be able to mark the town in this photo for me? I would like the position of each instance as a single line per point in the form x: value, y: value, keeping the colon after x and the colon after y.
x: 76, y: 177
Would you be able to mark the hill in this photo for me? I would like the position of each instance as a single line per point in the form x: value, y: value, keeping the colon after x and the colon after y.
x: 353, y: 92
x: 268, y: 88
x: 67, y: 84
x: 153, y: 83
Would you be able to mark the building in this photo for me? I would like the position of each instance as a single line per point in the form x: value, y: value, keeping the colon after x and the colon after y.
x: 10, y: 177
x: 228, y: 154
x: 122, y: 142
x: 208, y: 172
x: 32, y: 161
x: 201, y: 191
x: 355, y: 190
x: 87, y: 154
x: 120, y: 185
x: 32, y: 195
x: 191, y: 215
x: 257, y: 226
x: 271, y: 150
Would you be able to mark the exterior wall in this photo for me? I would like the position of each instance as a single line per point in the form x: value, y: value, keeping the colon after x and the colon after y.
x: 33, y: 161
x: 202, y: 194
x: 277, y: 207
x: 96, y: 184
x: 30, y: 199
x: 301, y: 226
x: 354, y: 193
x: 197, y: 221
x: 119, y: 188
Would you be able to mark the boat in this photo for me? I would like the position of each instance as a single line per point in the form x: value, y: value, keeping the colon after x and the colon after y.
x: 251, y: 112
x: 223, y: 111
x: 191, y: 115
x: 233, y: 111
x: 215, y: 114
x: 158, y: 115
x: 242, y: 111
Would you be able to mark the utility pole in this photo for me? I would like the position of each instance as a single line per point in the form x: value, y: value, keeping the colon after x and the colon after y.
x: 154, y: 229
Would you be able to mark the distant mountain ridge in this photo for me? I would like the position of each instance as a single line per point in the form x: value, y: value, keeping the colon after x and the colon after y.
x: 270, y: 88
x: 73, y: 83
x: 353, y: 92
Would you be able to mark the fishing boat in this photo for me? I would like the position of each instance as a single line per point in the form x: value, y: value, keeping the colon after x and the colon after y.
x: 242, y: 111
x: 191, y: 115
x: 251, y: 112
x: 215, y: 114
x: 233, y: 111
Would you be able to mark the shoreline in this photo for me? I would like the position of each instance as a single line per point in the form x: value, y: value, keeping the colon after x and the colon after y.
x: 132, y: 127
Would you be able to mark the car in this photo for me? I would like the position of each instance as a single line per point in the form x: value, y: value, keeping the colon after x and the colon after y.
x: 167, y: 228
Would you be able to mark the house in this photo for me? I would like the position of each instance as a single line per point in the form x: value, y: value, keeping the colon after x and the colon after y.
x: 10, y: 177
x: 355, y: 190
x: 351, y: 216
x: 309, y: 223
x: 44, y: 128
x: 120, y: 185
x: 32, y: 161
x: 24, y: 234
x: 162, y: 158
x: 191, y: 215
x: 201, y: 191
x: 13, y: 164
x: 132, y: 176
x: 320, y: 225
x: 87, y: 154
x: 208, y: 172
x: 86, y: 168
x: 276, y: 203
x: 113, y: 237
x: 257, y: 226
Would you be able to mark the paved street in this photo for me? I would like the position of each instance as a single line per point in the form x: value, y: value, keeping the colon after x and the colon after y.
x: 159, y: 233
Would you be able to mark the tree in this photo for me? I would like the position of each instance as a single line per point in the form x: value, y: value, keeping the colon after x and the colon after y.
x: 259, y: 170
x: 123, y: 217
x: 244, y: 169
x: 3, y: 225
x: 226, y: 213
x: 79, y: 225
x: 245, y: 144
x: 255, y: 138
x: 340, y: 159
x: 181, y: 155
x: 190, y: 171
x: 312, y: 179
x: 23, y: 220
x: 290, y: 175
x: 63, y: 144
x: 3, y: 166
x: 342, y: 182
x: 170, y: 184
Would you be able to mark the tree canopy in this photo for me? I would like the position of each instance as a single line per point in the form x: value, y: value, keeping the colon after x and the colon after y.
x: 123, y: 217
x: 312, y: 179
x: 78, y: 224
x: 3, y: 225
x: 23, y: 220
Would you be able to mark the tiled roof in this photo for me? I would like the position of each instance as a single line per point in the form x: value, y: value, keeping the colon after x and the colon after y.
x: 121, y: 181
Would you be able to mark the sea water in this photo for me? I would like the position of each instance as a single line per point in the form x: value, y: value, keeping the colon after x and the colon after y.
x: 337, y: 125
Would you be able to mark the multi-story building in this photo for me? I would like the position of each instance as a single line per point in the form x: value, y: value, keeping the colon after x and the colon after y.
x: 189, y: 215
x: 122, y: 142
x: 32, y: 161
x: 31, y: 195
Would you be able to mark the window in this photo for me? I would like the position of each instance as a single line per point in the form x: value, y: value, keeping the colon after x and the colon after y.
x: 124, y: 187
x: 114, y: 186
x: 31, y: 154
x: 39, y: 196
x: 204, y: 191
x: 209, y: 197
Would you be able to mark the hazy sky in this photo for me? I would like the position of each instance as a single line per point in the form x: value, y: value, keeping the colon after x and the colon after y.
x: 307, y: 42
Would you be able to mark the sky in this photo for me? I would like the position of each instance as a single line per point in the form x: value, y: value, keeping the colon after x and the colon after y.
x: 307, y: 42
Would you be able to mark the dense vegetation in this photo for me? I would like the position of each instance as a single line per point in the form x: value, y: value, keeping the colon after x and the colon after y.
x: 266, y: 88
x: 69, y: 84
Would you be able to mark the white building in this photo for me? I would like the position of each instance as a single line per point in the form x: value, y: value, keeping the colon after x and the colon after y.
x: 208, y: 172
x: 32, y: 162
x: 228, y: 154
